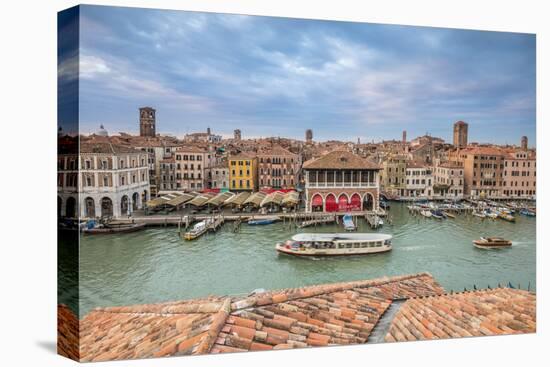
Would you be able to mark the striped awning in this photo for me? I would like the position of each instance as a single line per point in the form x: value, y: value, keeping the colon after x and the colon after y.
x: 238, y: 199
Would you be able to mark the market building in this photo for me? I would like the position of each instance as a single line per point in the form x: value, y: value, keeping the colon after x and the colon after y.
x: 341, y: 181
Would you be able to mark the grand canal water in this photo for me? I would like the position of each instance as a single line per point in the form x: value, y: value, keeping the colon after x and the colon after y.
x: 156, y: 265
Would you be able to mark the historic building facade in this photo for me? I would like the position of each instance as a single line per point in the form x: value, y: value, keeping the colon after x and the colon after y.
x: 191, y: 162
x: 418, y: 180
x: 448, y: 180
x: 243, y: 172
x: 112, y: 181
x: 483, y: 171
x: 520, y: 174
x: 393, y: 174
x: 277, y: 168
x: 341, y: 181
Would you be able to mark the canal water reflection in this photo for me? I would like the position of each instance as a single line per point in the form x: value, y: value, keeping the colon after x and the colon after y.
x: 156, y: 265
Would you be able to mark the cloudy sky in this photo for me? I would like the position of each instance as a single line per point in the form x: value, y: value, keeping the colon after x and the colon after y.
x: 278, y: 76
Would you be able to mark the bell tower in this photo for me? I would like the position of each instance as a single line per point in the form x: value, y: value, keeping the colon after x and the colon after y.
x: 147, y: 121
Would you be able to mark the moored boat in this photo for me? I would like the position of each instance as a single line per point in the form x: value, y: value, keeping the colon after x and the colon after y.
x: 426, y: 213
x: 449, y: 215
x: 347, y: 220
x: 335, y: 244
x: 507, y: 217
x: 528, y: 212
x: 437, y: 214
x: 114, y: 228
x: 492, y: 242
x: 478, y: 214
x: 197, y: 230
x: 262, y: 221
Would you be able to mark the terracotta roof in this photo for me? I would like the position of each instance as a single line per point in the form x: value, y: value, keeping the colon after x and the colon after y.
x: 340, y: 159
x: 476, y: 313
x: 190, y: 149
x: 481, y: 150
x: 276, y: 150
x: 340, y: 313
x: 105, y: 147
x: 67, y: 333
x: 158, y: 330
x: 329, y: 314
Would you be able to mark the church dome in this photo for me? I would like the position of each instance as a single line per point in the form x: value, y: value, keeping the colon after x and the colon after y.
x: 102, y: 131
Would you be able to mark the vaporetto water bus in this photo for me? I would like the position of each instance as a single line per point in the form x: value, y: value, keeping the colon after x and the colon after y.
x: 335, y: 244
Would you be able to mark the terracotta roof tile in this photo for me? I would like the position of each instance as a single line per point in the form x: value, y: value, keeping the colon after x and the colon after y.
x: 476, y: 313
x: 340, y: 159
x: 328, y: 314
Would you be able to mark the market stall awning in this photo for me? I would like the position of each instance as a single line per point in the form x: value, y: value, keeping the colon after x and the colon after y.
x: 238, y: 199
x: 273, y: 198
x: 180, y: 199
x: 201, y: 199
x: 220, y: 198
x: 292, y: 198
x: 255, y: 199
x: 162, y: 200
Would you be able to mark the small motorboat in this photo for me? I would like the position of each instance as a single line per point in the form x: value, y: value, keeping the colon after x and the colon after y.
x: 507, y: 217
x: 437, y: 214
x: 478, y: 214
x: 426, y: 213
x: 262, y: 221
x: 109, y: 228
x: 492, y: 242
x: 347, y: 220
x: 197, y: 230
x: 449, y: 215
x: 528, y: 212
x: 491, y: 214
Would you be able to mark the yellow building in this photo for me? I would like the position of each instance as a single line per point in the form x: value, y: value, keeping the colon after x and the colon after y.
x: 242, y: 172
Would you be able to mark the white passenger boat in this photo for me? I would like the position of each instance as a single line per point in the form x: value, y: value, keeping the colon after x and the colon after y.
x: 335, y: 244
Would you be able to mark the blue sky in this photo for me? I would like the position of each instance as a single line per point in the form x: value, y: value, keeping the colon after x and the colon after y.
x: 279, y: 76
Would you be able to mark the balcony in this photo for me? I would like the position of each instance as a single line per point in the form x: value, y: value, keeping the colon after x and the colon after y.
x: 329, y: 185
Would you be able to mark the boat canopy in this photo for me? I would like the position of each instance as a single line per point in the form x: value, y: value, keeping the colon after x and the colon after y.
x: 201, y: 199
x: 255, y: 199
x: 220, y: 198
x: 238, y: 199
x: 325, y: 237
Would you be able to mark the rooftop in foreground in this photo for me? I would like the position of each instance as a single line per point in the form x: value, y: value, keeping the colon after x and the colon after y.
x: 329, y: 314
